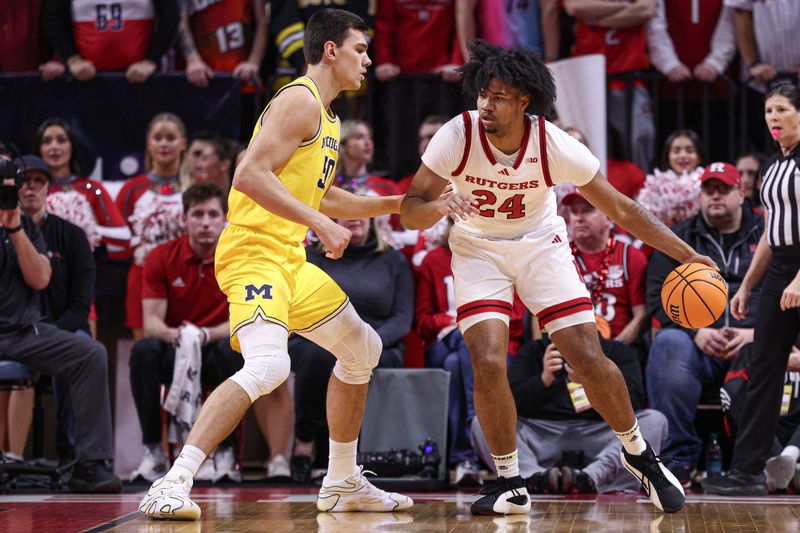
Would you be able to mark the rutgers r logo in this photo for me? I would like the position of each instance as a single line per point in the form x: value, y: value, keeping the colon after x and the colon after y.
x: 265, y: 291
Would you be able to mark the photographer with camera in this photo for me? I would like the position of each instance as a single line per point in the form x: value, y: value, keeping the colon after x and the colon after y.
x: 24, y: 337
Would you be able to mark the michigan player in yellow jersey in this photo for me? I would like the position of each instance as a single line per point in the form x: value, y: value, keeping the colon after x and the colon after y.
x: 281, y: 188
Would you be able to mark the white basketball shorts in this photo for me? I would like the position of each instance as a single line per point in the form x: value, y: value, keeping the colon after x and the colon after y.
x: 538, y: 265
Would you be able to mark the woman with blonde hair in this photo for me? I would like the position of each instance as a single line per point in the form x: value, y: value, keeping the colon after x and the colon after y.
x: 151, y: 204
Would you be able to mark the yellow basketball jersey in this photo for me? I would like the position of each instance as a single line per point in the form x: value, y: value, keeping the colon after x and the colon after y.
x: 307, y: 175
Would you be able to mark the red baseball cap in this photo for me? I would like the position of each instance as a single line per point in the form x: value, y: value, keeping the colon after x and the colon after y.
x: 572, y: 196
x: 724, y: 172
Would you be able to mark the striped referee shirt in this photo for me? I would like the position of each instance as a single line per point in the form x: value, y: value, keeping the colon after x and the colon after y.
x: 780, y: 192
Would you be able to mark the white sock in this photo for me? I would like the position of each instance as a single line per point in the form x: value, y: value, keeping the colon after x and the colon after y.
x: 792, y: 451
x: 187, y: 463
x: 507, y: 465
x: 341, y: 459
x: 632, y: 440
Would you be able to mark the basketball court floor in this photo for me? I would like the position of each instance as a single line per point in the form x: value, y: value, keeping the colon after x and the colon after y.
x: 276, y: 509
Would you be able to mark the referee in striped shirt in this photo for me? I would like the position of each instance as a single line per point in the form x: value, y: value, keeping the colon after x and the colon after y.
x: 778, y: 324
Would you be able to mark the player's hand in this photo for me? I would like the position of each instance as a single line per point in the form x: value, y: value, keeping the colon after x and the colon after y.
x: 763, y: 72
x: 791, y: 295
x: 679, y: 74
x: 459, y: 206
x: 704, y: 259
x: 386, y: 71
x: 739, y: 308
x: 51, y: 70
x: 81, y: 69
x: 705, y: 73
x: 710, y: 341
x: 551, y: 363
x: 141, y: 70
x: 198, y: 73
x: 247, y: 72
x: 334, y: 238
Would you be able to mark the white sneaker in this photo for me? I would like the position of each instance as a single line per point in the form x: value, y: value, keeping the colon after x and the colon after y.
x: 206, y: 472
x: 356, y: 493
x: 278, y: 467
x: 225, y: 466
x: 152, y: 467
x: 468, y: 474
x: 779, y: 471
x: 168, y: 499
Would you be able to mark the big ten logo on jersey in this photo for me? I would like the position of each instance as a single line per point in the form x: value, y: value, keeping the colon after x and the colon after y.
x: 109, y: 16
x: 264, y: 291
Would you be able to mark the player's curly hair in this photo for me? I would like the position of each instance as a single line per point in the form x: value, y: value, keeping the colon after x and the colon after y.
x: 518, y: 67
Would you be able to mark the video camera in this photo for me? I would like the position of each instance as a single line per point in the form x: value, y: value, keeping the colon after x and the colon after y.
x: 397, y: 463
x: 9, y: 195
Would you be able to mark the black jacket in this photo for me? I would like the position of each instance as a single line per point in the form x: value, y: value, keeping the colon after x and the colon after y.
x: 19, y: 303
x: 732, y: 254
x: 379, y: 284
x: 66, y: 301
x: 533, y: 400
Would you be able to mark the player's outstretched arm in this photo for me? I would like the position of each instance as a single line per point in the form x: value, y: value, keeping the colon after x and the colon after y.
x: 339, y: 203
x: 424, y: 203
x: 639, y: 221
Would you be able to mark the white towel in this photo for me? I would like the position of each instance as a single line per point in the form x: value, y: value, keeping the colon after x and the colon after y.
x: 186, y: 392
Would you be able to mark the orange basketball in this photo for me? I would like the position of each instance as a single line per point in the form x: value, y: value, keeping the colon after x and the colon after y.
x: 694, y: 295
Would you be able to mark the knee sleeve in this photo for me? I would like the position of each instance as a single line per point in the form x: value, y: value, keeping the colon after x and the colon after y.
x: 353, y: 342
x: 360, y: 352
x: 266, y: 359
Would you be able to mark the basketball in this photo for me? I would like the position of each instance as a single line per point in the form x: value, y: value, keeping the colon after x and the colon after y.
x: 694, y: 295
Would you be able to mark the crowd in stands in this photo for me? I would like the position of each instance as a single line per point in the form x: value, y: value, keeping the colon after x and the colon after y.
x: 164, y: 225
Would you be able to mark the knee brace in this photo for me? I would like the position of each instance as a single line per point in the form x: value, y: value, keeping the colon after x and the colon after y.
x: 353, y: 342
x: 266, y: 359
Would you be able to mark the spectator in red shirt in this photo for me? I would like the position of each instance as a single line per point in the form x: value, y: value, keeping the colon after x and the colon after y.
x: 174, y: 274
x: 23, y: 43
x: 92, y: 207
x: 416, y: 37
x: 614, y: 272
x: 128, y: 35
x: 616, y: 29
x: 223, y: 36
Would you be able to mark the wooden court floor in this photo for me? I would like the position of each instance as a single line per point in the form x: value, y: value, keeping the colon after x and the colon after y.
x: 263, y: 509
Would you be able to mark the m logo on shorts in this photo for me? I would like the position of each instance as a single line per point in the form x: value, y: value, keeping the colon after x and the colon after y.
x: 265, y: 291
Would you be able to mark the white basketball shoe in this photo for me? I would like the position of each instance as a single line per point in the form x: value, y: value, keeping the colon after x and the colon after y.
x: 356, y: 493
x: 168, y: 499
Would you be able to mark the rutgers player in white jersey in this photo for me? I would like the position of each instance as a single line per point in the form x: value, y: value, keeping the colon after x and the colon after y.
x: 502, y: 164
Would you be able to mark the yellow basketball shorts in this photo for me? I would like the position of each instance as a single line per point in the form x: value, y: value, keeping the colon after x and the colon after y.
x: 269, y: 280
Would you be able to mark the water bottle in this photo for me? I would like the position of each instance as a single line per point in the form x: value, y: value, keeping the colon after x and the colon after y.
x: 713, y: 457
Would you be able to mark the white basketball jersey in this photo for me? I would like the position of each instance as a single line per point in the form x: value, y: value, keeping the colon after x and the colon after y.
x: 514, y: 191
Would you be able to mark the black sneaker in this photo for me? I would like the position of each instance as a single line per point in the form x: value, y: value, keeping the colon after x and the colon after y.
x: 538, y: 483
x: 736, y: 483
x: 575, y: 481
x: 94, y: 477
x: 300, y: 467
x: 504, y: 496
x: 664, y: 490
